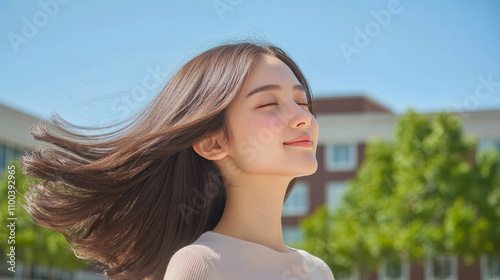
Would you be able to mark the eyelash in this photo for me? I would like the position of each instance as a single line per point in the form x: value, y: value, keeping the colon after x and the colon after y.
x: 305, y: 104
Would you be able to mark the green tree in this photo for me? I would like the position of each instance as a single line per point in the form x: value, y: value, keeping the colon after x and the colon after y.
x: 420, y: 195
x: 33, y: 244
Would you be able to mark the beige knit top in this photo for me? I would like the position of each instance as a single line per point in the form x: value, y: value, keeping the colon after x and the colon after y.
x: 217, y: 256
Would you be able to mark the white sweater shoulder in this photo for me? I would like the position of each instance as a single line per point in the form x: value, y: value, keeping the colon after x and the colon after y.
x: 191, y: 262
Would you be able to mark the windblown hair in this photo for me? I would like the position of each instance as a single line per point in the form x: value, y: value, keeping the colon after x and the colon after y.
x: 130, y: 198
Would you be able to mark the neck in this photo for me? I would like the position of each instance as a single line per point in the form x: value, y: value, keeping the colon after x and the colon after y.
x: 253, y: 212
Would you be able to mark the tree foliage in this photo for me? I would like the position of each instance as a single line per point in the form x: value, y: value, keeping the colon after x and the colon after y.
x: 420, y: 195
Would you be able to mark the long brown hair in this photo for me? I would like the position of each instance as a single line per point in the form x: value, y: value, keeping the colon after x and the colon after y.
x: 130, y: 198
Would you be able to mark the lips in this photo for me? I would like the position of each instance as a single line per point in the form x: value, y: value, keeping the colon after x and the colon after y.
x: 301, y: 138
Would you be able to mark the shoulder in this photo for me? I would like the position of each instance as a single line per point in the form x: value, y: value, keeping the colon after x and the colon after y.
x: 192, y: 262
x: 317, y: 264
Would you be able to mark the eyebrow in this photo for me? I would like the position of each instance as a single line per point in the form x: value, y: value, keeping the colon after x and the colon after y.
x: 274, y: 87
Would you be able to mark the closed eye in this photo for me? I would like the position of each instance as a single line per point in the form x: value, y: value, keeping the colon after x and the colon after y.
x: 304, y: 104
x: 268, y: 105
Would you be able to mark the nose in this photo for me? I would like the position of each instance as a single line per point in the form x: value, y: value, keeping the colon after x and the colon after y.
x: 299, y: 117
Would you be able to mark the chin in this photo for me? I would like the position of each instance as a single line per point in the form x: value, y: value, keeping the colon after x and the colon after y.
x: 306, y: 171
x: 313, y: 170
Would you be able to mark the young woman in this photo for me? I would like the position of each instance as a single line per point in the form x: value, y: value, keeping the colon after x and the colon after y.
x: 193, y: 187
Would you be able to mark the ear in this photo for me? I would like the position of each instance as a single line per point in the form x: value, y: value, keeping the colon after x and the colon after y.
x: 211, y: 148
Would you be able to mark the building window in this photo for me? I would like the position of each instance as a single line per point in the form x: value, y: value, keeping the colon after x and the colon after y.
x: 394, y: 270
x: 3, y: 162
x: 341, y: 157
x: 9, y: 155
x: 18, y: 153
x: 334, y: 193
x: 490, y: 267
x: 441, y: 268
x: 297, y: 202
x: 292, y: 235
x: 485, y: 144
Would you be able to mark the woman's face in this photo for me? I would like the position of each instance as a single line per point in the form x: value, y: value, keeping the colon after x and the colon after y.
x: 262, y: 121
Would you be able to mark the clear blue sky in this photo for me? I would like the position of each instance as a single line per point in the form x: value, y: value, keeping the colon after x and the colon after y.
x: 87, y: 60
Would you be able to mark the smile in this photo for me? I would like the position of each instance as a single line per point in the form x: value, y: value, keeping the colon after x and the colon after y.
x: 307, y: 144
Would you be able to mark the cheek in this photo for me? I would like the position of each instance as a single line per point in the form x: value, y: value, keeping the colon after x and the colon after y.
x: 262, y: 129
x: 254, y: 135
